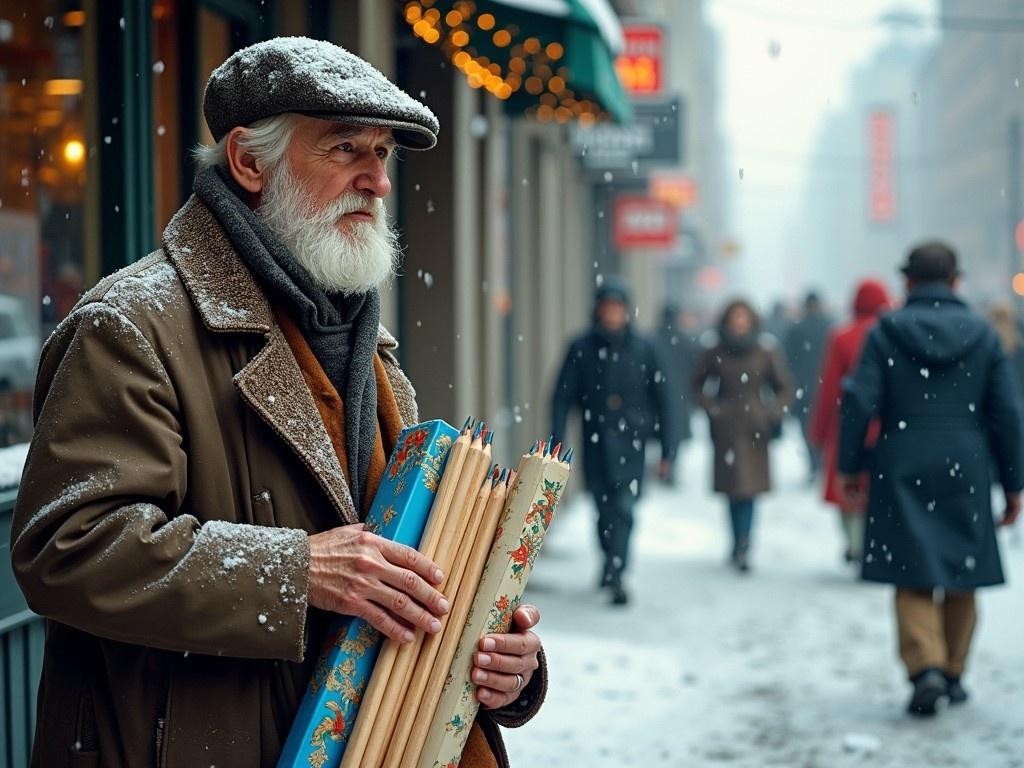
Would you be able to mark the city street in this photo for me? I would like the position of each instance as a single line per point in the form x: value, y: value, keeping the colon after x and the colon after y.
x: 794, y: 665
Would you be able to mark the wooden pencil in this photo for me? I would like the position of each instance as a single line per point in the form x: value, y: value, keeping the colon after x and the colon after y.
x: 479, y: 551
x: 436, y: 548
x: 413, y: 697
x: 364, y: 728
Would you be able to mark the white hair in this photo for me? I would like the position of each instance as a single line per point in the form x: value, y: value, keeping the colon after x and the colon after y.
x: 362, y: 256
x: 266, y: 140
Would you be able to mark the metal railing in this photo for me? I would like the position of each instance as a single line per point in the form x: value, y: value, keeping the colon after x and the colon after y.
x: 21, y: 653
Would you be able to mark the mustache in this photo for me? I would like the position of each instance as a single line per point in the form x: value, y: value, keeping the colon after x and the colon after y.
x: 350, y: 202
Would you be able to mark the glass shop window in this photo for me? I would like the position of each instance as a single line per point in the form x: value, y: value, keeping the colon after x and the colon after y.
x: 45, y: 153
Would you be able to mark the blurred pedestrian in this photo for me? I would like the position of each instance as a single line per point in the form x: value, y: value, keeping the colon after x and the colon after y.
x: 778, y: 321
x: 614, y: 376
x: 743, y: 384
x: 679, y: 349
x: 1004, y: 319
x: 936, y: 376
x: 841, y: 356
x: 805, y: 346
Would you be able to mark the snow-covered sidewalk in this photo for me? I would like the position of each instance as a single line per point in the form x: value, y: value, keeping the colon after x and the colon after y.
x: 794, y: 665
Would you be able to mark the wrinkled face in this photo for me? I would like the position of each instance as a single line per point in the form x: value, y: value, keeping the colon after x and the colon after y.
x: 612, y: 315
x: 332, y: 160
x: 324, y: 200
x: 740, y: 321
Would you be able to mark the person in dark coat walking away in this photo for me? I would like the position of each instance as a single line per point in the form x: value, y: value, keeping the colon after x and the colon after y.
x: 743, y: 384
x: 679, y: 349
x: 805, y: 346
x: 936, y: 377
x: 841, y: 356
x: 614, y: 376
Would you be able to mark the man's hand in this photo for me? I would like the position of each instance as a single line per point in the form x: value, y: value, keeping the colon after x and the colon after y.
x: 1012, y: 509
x: 357, y: 573
x: 505, y: 663
x: 851, y: 488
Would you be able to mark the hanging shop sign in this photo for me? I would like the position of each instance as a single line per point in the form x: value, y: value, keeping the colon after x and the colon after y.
x: 881, y: 166
x: 641, y: 63
x: 676, y: 189
x: 654, y: 137
x: 643, y: 223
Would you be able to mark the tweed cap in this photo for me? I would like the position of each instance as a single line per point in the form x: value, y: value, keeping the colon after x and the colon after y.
x: 315, y: 78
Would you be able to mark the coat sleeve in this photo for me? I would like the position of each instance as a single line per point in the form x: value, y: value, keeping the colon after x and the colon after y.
x: 863, y: 397
x: 98, y: 542
x: 704, y: 371
x: 659, y: 387
x: 1003, y: 420
x: 826, y: 404
x: 567, y: 392
x: 781, y: 381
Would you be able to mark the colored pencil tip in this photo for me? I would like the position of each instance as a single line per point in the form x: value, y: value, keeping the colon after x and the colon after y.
x: 504, y: 475
x: 468, y: 424
x: 542, y: 447
x: 478, y: 430
x: 568, y: 456
x: 533, y: 448
x: 557, y: 450
x: 490, y: 436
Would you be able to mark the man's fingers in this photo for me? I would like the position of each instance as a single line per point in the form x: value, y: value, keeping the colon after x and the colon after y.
x: 410, y: 584
x: 384, y: 622
x: 508, y: 664
x: 402, y: 606
x: 409, y: 559
x: 526, y: 616
x: 519, y: 644
x: 498, y: 681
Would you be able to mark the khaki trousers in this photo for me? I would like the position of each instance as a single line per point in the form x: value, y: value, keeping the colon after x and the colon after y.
x: 935, y: 629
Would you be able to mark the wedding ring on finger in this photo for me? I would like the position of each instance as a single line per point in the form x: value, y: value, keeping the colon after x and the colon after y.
x: 519, y: 682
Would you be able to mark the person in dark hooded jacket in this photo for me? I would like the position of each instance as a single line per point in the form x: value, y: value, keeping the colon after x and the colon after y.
x: 614, y: 376
x: 936, y: 377
x: 680, y: 351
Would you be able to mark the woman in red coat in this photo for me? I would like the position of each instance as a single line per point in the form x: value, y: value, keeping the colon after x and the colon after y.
x: 841, y: 356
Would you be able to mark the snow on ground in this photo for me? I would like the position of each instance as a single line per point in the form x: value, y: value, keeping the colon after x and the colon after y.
x: 793, y: 666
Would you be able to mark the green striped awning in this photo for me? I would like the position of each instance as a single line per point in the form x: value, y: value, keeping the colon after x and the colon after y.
x: 551, y: 59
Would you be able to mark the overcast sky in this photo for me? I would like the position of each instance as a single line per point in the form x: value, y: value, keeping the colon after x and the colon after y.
x: 786, y: 64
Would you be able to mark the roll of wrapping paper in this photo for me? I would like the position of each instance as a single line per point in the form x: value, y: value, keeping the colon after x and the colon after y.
x: 539, y: 485
x: 434, y: 669
x: 474, y: 470
x: 399, y: 512
x: 366, y: 726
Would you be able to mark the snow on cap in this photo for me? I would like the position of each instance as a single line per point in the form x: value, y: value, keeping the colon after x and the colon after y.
x: 315, y: 78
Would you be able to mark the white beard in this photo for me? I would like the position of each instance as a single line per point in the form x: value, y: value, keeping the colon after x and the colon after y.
x: 357, y: 260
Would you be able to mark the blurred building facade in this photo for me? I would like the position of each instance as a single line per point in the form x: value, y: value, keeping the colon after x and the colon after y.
x: 101, y: 103
x: 969, y: 134
x: 861, y: 206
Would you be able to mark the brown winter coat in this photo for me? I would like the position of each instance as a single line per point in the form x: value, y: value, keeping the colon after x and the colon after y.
x: 170, y: 408
x: 745, y: 394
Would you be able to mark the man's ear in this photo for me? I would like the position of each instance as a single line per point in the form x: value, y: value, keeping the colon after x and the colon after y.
x: 243, y: 166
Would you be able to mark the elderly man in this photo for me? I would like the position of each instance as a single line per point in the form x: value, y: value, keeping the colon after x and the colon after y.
x: 212, y: 424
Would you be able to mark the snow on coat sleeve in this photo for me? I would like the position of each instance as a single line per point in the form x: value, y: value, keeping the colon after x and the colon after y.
x: 97, y: 542
x: 862, y: 400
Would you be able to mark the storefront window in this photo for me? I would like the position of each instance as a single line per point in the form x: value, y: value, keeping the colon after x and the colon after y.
x: 44, y: 152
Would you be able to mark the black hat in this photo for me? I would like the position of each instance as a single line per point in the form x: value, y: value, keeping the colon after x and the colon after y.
x: 612, y: 288
x: 315, y: 78
x: 933, y: 262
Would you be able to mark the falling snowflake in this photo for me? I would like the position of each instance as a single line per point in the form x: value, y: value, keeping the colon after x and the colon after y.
x: 925, y: 373
x: 902, y: 424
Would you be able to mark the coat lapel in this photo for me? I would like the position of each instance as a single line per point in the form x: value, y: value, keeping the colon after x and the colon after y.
x: 229, y: 300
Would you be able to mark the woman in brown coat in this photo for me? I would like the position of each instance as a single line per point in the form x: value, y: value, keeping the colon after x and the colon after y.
x: 745, y: 388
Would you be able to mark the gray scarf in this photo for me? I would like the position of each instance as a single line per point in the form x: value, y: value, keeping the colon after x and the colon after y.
x: 341, y: 330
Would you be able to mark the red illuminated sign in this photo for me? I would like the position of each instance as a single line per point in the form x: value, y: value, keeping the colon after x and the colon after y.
x: 641, y: 64
x: 641, y: 222
x: 881, y: 166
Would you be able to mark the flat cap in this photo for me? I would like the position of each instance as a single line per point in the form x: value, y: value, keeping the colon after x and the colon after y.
x: 315, y: 78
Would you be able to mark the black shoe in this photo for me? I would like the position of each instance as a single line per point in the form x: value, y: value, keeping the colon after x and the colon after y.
x: 957, y: 694
x: 930, y: 690
x: 619, y: 595
x: 741, y: 557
